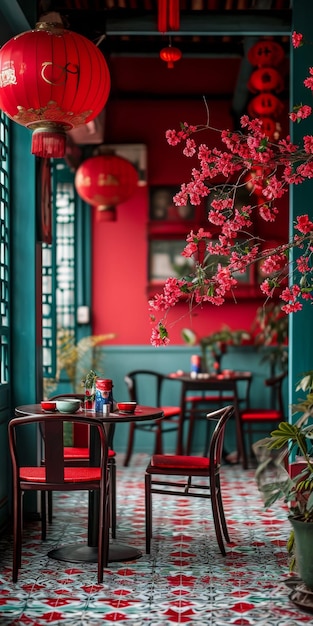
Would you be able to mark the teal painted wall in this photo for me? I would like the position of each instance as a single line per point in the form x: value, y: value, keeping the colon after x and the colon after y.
x: 21, y: 386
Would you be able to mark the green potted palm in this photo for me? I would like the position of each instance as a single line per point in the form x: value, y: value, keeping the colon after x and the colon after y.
x: 295, y: 487
x: 75, y: 359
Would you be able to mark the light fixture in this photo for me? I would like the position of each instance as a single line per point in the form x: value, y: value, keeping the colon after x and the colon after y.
x: 104, y: 181
x: 170, y: 55
x: 52, y: 80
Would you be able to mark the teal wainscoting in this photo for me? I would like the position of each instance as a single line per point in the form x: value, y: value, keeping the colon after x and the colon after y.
x: 119, y: 360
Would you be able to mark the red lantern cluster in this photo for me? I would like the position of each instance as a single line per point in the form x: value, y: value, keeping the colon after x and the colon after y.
x: 52, y: 80
x: 105, y: 181
x: 266, y: 81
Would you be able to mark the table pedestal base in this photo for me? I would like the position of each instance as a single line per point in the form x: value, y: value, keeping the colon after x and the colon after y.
x: 79, y: 553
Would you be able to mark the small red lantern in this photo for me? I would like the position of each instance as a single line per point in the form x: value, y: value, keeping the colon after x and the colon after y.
x: 105, y: 181
x: 52, y: 80
x: 266, y: 104
x: 266, y: 52
x: 265, y: 79
x: 170, y: 55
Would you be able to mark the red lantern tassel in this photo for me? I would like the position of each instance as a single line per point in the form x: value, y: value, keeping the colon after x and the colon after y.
x: 162, y: 16
x: 174, y: 14
x: 48, y: 144
x: 106, y: 215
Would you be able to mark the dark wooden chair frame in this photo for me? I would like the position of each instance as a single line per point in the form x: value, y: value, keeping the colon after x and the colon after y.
x: 79, y: 434
x: 189, y: 468
x: 253, y: 420
x: 56, y: 476
x: 172, y: 414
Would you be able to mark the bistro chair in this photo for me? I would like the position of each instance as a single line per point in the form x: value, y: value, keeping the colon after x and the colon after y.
x: 163, y: 471
x: 255, y: 420
x: 56, y: 475
x: 149, y: 384
x: 218, y: 394
x: 78, y: 454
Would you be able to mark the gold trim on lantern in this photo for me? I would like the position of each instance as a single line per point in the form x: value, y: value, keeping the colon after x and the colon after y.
x: 29, y: 117
x: 53, y: 27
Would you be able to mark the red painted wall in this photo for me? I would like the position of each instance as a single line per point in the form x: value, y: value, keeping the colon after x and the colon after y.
x: 120, y: 261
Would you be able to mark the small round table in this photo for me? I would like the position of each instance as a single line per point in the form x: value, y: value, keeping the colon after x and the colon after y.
x: 77, y: 553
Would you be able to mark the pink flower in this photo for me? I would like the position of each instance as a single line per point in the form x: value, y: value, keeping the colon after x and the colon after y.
x: 190, y: 148
x: 159, y: 336
x: 172, y: 137
x: 304, y: 224
x: 297, y: 39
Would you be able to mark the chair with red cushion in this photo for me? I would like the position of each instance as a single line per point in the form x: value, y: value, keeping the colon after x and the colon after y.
x: 148, y: 384
x: 78, y: 454
x: 163, y: 472
x: 56, y: 475
x: 262, y: 420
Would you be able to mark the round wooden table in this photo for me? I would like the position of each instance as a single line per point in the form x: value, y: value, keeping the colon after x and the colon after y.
x: 78, y: 552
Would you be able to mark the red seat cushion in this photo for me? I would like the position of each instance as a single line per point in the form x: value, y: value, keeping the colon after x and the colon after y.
x: 170, y: 411
x: 212, y: 398
x: 81, y: 453
x: 258, y: 414
x: 76, y: 453
x: 71, y: 474
x: 173, y: 461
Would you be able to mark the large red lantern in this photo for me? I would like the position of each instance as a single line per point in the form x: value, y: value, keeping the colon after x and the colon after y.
x: 265, y: 79
x: 266, y: 104
x: 266, y: 52
x: 105, y: 181
x: 52, y: 80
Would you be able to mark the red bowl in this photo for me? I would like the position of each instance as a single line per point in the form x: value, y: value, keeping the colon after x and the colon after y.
x: 126, y: 407
x: 48, y: 405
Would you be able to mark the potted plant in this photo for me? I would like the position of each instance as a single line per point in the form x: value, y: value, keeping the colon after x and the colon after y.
x: 296, y: 486
x: 75, y: 358
x: 270, y: 329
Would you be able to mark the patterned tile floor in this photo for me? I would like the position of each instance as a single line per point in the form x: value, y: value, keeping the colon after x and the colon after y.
x: 184, y: 581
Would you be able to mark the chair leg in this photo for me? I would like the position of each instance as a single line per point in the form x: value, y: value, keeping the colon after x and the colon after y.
x: 148, y: 506
x: 190, y: 431
x: 43, y: 497
x: 240, y: 433
x: 158, y: 447
x: 221, y: 510
x: 17, y: 533
x: 112, y: 470
x: 130, y: 444
x: 216, y: 517
x: 50, y: 507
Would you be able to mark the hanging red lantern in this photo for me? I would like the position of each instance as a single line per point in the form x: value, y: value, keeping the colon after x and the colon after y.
x: 266, y: 52
x: 105, y: 181
x: 265, y: 79
x: 170, y: 55
x: 264, y: 105
x: 52, y: 80
x: 268, y: 126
